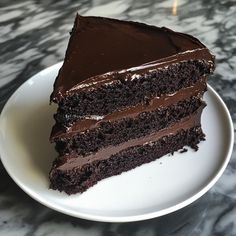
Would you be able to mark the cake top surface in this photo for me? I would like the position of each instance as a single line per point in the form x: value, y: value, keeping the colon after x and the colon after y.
x: 101, y: 46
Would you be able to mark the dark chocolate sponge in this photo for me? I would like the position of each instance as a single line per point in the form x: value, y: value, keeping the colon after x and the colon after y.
x: 125, y: 93
x: 113, y: 133
x: 79, y: 180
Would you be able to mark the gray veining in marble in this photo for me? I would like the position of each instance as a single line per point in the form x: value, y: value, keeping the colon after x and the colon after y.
x: 34, y: 35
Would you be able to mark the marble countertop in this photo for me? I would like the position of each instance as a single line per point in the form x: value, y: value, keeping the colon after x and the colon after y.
x: 34, y: 35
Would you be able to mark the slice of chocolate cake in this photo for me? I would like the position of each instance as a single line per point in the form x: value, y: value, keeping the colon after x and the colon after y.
x: 127, y: 94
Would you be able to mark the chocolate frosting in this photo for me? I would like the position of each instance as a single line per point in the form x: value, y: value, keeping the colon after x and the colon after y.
x: 158, y: 102
x: 102, y: 51
x: 74, y: 161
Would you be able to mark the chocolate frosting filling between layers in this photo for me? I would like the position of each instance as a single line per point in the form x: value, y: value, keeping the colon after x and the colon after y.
x: 102, y: 51
x: 158, y: 102
x: 74, y: 161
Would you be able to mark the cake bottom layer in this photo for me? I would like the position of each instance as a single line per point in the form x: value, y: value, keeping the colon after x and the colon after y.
x: 80, y: 179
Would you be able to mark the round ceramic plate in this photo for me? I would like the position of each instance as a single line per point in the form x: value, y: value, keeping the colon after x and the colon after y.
x: 152, y: 190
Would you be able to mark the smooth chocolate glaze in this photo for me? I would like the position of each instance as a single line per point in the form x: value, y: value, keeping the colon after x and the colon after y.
x: 74, y: 161
x: 158, y: 102
x: 102, y: 51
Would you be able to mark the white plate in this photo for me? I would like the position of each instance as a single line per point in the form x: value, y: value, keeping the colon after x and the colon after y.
x: 152, y: 190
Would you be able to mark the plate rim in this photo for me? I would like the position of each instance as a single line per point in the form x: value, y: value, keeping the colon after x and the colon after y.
x: 130, y: 218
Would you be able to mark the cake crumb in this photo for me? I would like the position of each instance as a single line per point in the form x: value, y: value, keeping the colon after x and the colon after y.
x: 183, y: 150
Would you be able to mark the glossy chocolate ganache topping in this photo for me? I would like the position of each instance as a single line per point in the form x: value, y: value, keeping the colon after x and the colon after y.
x: 102, y: 50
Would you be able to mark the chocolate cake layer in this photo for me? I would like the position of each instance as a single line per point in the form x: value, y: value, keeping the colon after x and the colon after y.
x: 116, y: 132
x: 103, y: 50
x: 129, y: 93
x: 91, y: 122
x: 79, y: 180
x: 75, y: 161
x: 78, y: 174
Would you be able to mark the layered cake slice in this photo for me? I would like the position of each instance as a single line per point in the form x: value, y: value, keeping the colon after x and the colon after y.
x: 127, y: 94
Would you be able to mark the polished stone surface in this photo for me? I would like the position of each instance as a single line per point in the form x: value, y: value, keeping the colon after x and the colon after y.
x: 34, y: 35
